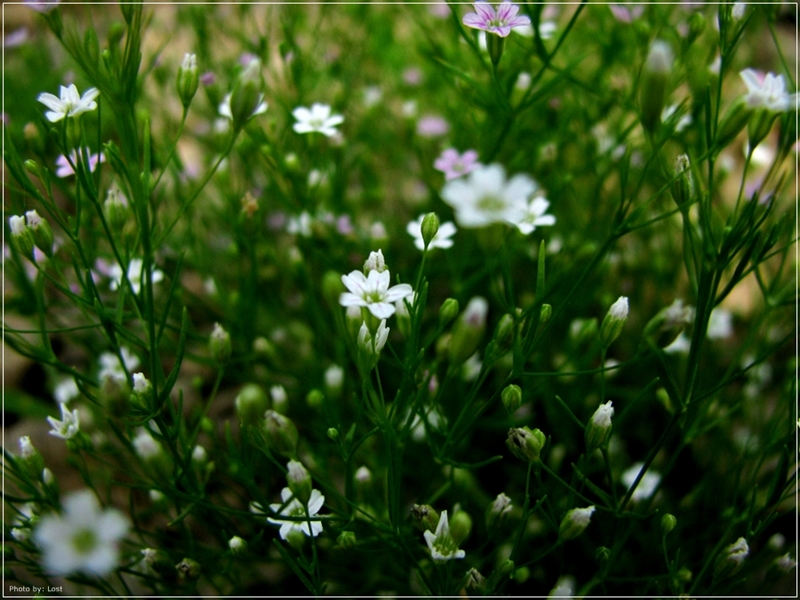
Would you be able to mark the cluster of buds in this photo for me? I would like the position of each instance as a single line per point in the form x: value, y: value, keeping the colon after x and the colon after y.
x: 29, y: 231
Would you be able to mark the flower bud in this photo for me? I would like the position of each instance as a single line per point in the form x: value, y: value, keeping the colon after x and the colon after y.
x: 425, y: 517
x: 731, y: 558
x: 429, y: 227
x: 653, y: 84
x: 668, y: 523
x: 299, y: 481
x: 498, y: 510
x: 188, y: 79
x: 280, y: 400
x: 237, y: 545
x: 251, y: 402
x: 602, y: 554
x: 503, y: 334
x: 448, y: 311
x: 512, y: 398
x: 574, y: 522
x: 158, y: 560
x: 526, y: 444
x: 682, y: 186
x: 247, y: 97
x: 334, y: 377
x: 733, y: 121
x: 346, y: 539
x: 375, y: 262
x: 460, y: 526
x: 599, y: 428
x: 21, y: 236
x: 475, y: 581
x: 333, y: 434
x: 199, y: 455
x: 613, y: 321
x: 42, y: 234
x: 47, y: 477
x: 545, y: 314
x: 296, y: 539
x: 506, y: 568
x: 31, y: 457
x: 220, y: 344
x: 188, y: 568
x: 332, y: 287
x: 281, y: 433
x: 468, y: 331
x: 315, y: 398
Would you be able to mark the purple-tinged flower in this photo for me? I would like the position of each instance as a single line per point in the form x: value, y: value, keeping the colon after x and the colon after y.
x: 42, y: 7
x: 432, y: 126
x: 16, y: 38
x: 208, y: 78
x: 65, y: 169
x: 412, y: 76
x: 624, y: 14
x: 768, y: 91
x: 499, y: 22
x: 453, y: 164
x: 440, y: 10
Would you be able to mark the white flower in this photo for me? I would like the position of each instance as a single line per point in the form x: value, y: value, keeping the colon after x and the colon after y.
x: 26, y: 447
x: 334, y: 377
x: 225, y: 107
x: 440, y: 240
x: 140, y: 383
x: 362, y: 474
x: 768, y: 92
x: 319, y: 118
x: 295, y: 508
x: 619, y: 310
x: 68, y: 426
x: 84, y: 538
x: 441, y: 544
x: 484, y: 197
x: 738, y: 551
x: 373, y: 292
x: 737, y: 12
x: 134, y: 275
x: 372, y: 345
x: 565, y: 587
x: 17, y: 225
x: 720, y: 324
x: 111, y: 367
x: 71, y: 103
x: 647, y: 485
x: 533, y: 216
x: 199, y: 454
x: 375, y: 262
x: 602, y: 416
x: 300, y: 225
x: 146, y: 446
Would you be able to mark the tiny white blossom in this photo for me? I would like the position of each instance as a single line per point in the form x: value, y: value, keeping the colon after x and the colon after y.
x: 619, y: 310
x: 441, y: 544
x: 375, y: 262
x: 17, y: 225
x: 135, y: 268
x: 363, y: 475
x: 140, y: 383
x: 294, y: 508
x: 602, y: 416
x: 373, y: 292
x: 565, y: 588
x: 199, y: 454
x: 737, y: 12
x: 318, y: 119
x: 647, y: 485
x: 66, y: 390
x: 68, y: 426
x: 533, y: 216
x: 371, y: 344
x: 768, y: 92
x: 441, y: 240
x: 334, y: 377
x: 146, y: 446
x: 83, y: 539
x: 278, y: 395
x: 300, y: 225
x: 720, y: 324
x: 71, y: 103
x: 111, y: 367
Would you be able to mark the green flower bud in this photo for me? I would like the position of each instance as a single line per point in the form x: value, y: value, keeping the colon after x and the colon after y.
x: 237, y: 545
x: 32, y: 167
x: 545, y: 314
x: 425, y: 517
x: 281, y: 433
x: 30, y: 457
x: 332, y: 287
x: 684, y: 575
x: 575, y: 522
x: 526, y: 444
x: 506, y: 568
x: 460, y: 526
x: 503, y: 334
x: 429, y: 227
x: 247, y: 98
x: 668, y: 523
x: 188, y: 568
x: 512, y: 398
x: 314, y: 398
x: 21, y: 236
x: 299, y: 481
x: 115, y: 210
x: 188, y: 79
x: 220, y: 344
x: 599, y: 428
x: 731, y: 559
x: 333, y: 434
x: 602, y: 554
x: 448, y: 311
x: 613, y: 321
x: 468, y: 331
x: 682, y: 188
x: 653, y: 84
x: 346, y: 539
x: 498, y: 510
x: 251, y: 403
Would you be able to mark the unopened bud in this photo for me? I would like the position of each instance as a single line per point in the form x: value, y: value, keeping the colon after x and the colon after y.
x: 512, y: 398
x: 526, y: 444
x: 599, y: 428
x: 575, y: 522
x: 281, y: 433
x: 425, y: 517
x: 21, y: 236
x: 42, y: 234
x: 731, y: 558
x: 333, y: 434
x: 334, y: 377
x: 668, y: 523
x: 220, y: 344
x: 315, y: 398
x: 460, y: 526
x: 503, y: 335
x: 31, y: 458
x: 237, y: 545
x: 653, y: 84
x: 429, y: 227
x: 475, y: 581
x: 299, y: 481
x: 602, y: 554
x: 375, y: 262
x: 498, y: 510
x: 682, y: 186
x: 188, y: 79
x: 613, y: 321
x: 247, y: 97
x: 448, y: 311
x: 251, y: 402
x: 545, y: 314
x: 188, y: 568
x: 346, y: 539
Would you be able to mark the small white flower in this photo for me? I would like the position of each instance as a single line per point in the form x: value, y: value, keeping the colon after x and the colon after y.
x: 68, y: 426
x: 373, y: 292
x: 602, y: 416
x: 26, y: 447
x: 71, y: 103
x: 134, y: 275
x: 300, y: 225
x: 33, y: 219
x: 236, y: 544
x: 619, y: 310
x: 375, y: 262
x: 294, y: 508
x: 334, y: 377
x: 368, y: 343
x: 472, y: 367
x: 278, y: 395
x: 319, y: 119
x: 111, y: 367
x: 720, y: 324
x: 146, y: 446
x: 20, y: 534
x: 565, y: 588
x: 140, y: 383
x: 441, y: 240
x: 441, y: 544
x: 199, y: 454
x: 738, y: 551
x: 84, y: 538
x: 47, y: 476
x: 484, y: 197
x: 363, y: 475
x: 533, y: 216
x: 647, y: 485
x: 768, y: 92
x: 737, y: 12
x: 17, y: 225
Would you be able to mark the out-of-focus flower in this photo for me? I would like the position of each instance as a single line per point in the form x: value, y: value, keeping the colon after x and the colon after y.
x: 647, y: 484
x: 683, y: 122
x: 66, y: 390
x: 68, y: 426
x: 441, y: 544
x: 565, y: 587
x: 111, y: 367
x: 83, y: 539
x: 64, y: 168
x: 292, y: 507
x: 432, y: 126
x: 575, y: 522
x: 373, y: 292
x: 134, y: 275
x: 720, y: 324
x: 318, y: 118
x: 300, y: 225
x: 533, y: 216
x: 626, y: 14
x: 768, y: 92
x: 71, y: 103
x: 42, y: 7
x: 440, y: 240
x: 499, y: 22
x: 453, y: 164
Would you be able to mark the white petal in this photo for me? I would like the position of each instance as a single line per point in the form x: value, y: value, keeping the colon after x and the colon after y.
x: 315, y: 502
x: 348, y: 299
x: 301, y: 113
x: 356, y: 283
x: 398, y: 292
x: 382, y: 310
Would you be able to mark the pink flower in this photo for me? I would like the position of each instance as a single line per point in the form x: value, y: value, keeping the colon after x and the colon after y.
x: 42, y: 7
x: 500, y: 23
x: 65, y: 169
x: 453, y: 164
x: 623, y: 14
x: 432, y: 126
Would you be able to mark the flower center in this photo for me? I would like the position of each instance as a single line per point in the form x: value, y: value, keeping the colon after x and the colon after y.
x: 491, y: 204
x: 84, y: 541
x: 445, y: 545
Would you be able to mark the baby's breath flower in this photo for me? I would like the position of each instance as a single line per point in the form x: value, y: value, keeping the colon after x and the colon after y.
x: 441, y: 544
x: 292, y: 507
x: 135, y: 269
x: 71, y: 103
x: 373, y: 292
x: 317, y: 119
x: 64, y: 168
x: 575, y: 522
x: 647, y: 485
x: 68, y: 426
x: 454, y: 165
x: 767, y: 91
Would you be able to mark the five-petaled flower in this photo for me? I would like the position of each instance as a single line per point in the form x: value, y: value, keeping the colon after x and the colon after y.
x: 292, y: 507
x: 71, y: 103
x: 453, y: 164
x: 440, y: 240
x: 64, y: 168
x: 768, y: 92
x: 441, y: 544
x: 533, y: 216
x: 83, y: 539
x: 135, y: 268
x: 373, y: 292
x: 318, y: 118
x: 68, y: 426
x: 499, y: 22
